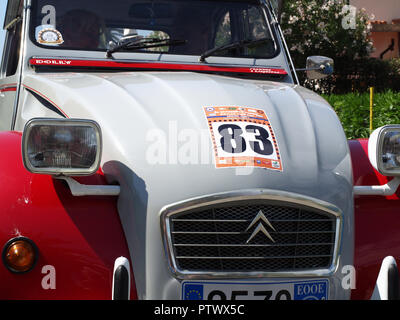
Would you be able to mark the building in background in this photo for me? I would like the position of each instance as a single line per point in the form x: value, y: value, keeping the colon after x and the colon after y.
x: 385, y: 19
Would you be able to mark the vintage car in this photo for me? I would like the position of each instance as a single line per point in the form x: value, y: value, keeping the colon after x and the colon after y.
x: 165, y: 150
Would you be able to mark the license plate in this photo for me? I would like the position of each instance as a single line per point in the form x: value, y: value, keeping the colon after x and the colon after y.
x: 281, y: 290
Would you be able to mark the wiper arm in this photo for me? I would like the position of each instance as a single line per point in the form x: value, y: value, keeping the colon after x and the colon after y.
x: 144, y: 43
x: 233, y: 45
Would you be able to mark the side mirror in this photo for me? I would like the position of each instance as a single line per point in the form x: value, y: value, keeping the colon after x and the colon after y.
x: 384, y: 150
x: 319, y: 67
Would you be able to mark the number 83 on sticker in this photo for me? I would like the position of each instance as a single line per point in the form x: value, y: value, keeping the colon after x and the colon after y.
x: 244, y: 139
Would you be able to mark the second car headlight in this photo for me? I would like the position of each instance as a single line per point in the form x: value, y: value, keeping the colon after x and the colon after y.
x: 384, y: 150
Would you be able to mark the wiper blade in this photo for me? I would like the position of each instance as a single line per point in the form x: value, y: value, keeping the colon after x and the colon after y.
x: 233, y: 45
x: 144, y: 43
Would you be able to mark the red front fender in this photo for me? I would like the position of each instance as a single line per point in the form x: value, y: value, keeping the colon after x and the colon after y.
x: 377, y: 223
x: 79, y: 236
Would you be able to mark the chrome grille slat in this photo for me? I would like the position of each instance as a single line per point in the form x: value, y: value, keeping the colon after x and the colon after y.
x: 249, y: 258
x: 253, y: 245
x: 228, y: 232
x: 233, y: 238
x: 248, y: 221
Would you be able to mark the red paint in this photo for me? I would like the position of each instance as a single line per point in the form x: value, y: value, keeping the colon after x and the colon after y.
x: 80, y: 236
x: 8, y: 89
x: 377, y: 223
x: 153, y: 66
x: 48, y: 99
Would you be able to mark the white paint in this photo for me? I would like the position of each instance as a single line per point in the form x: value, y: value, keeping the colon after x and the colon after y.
x: 381, y: 291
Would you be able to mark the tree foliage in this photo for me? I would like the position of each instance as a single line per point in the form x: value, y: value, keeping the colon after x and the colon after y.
x: 328, y: 28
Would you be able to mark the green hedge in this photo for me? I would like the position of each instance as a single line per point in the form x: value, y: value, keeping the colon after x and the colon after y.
x: 358, y: 75
x: 353, y: 110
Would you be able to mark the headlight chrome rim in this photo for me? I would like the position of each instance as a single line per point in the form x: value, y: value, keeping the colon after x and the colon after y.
x: 375, y: 150
x: 60, y: 171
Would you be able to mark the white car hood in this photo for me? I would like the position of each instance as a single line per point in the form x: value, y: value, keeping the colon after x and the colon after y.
x: 134, y: 108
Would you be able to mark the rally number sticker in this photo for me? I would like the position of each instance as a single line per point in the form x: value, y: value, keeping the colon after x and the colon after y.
x: 242, y: 137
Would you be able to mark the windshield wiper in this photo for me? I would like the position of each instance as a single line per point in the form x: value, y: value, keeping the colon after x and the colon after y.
x: 143, y: 43
x: 234, y: 45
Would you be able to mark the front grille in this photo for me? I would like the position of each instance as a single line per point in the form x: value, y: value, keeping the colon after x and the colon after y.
x: 252, y: 237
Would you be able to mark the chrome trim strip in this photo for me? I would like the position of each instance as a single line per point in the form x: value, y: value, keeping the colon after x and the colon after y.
x: 277, y: 25
x: 255, y: 258
x: 254, y: 245
x: 79, y: 190
x: 245, y: 195
x: 233, y: 232
x: 243, y: 220
x: 22, y: 56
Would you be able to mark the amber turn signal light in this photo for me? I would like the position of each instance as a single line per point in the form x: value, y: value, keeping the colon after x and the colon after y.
x: 19, y: 255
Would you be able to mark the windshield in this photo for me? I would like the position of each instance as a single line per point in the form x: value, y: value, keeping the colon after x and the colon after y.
x: 199, y: 25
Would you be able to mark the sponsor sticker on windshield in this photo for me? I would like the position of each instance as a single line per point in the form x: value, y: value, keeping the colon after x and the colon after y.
x: 242, y: 137
x: 49, y: 36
